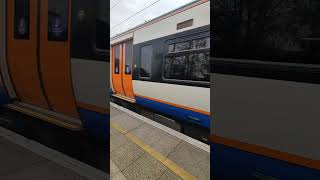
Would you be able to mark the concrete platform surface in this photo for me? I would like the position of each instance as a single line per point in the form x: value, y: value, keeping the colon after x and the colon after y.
x: 21, y: 158
x: 143, y: 149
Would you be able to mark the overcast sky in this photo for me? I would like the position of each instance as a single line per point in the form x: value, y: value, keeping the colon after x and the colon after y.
x: 126, y: 8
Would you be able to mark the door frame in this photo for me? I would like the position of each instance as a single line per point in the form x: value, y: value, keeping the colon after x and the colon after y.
x: 118, y: 90
x: 128, y: 90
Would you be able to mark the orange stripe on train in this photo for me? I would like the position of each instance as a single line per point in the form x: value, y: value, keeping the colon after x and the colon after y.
x: 176, y: 105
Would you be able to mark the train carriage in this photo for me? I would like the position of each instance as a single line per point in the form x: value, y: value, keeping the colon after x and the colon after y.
x: 53, y: 61
x: 265, y: 89
x: 163, y: 65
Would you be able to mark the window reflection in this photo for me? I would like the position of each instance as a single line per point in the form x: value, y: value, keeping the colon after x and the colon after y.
x: 117, y: 59
x: 145, y: 61
x: 90, y: 30
x: 199, y: 66
x: 267, y: 30
x: 128, y: 57
x: 58, y: 20
x: 188, y: 60
x: 176, y: 67
x: 21, y: 19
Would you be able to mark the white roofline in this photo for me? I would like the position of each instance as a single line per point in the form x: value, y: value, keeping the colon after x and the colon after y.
x: 153, y: 20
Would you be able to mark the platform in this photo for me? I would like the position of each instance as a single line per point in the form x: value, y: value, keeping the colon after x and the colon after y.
x: 22, y: 158
x: 143, y: 149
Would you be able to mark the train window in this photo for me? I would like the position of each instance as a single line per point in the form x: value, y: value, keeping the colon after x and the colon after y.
x: 21, y: 19
x: 185, y: 24
x: 117, y: 59
x: 145, y: 61
x: 58, y: 20
x: 89, y: 30
x: 176, y: 67
x: 171, y: 48
x: 188, y: 60
x: 128, y: 57
x: 199, y: 66
x: 101, y: 25
x: 269, y: 31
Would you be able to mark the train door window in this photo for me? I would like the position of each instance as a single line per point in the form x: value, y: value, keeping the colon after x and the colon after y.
x: 128, y: 57
x: 145, y: 61
x: 21, y: 19
x: 117, y: 59
x: 58, y: 20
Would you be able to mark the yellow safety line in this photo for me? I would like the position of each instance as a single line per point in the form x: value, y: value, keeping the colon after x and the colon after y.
x: 165, y: 161
x: 46, y: 118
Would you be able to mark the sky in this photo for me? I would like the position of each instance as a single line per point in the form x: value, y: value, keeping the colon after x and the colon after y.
x: 126, y: 8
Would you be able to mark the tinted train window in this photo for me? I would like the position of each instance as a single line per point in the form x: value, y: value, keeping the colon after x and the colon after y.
x: 101, y: 25
x: 128, y: 57
x: 145, y: 61
x: 90, y: 30
x: 58, y: 20
x: 188, y: 60
x: 199, y: 66
x: 176, y: 67
x: 267, y: 30
x: 21, y: 19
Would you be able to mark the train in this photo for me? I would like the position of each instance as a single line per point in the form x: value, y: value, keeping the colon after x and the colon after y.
x: 265, y: 90
x: 162, y: 67
x: 54, y: 62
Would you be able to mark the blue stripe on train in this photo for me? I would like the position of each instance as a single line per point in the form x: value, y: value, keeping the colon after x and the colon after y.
x: 230, y: 163
x: 176, y: 112
x: 4, y: 98
x: 96, y: 123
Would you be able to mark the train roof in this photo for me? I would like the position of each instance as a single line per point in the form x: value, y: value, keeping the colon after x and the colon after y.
x: 168, y: 14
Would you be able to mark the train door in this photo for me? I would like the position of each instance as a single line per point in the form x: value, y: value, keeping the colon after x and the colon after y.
x: 116, y: 69
x: 55, y: 61
x: 38, y: 39
x: 122, y: 70
x: 22, y: 51
x: 127, y: 69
